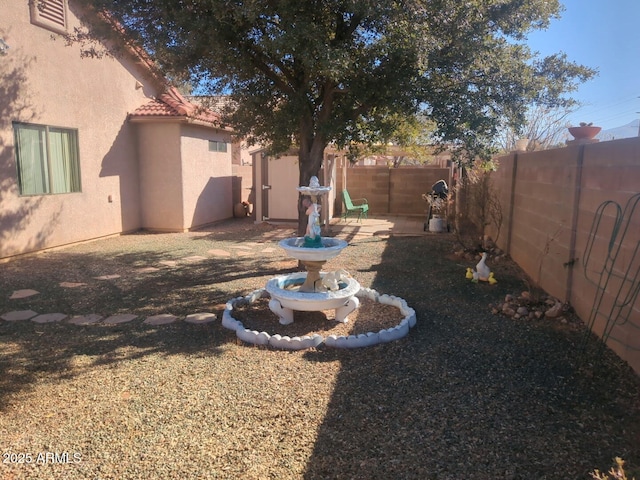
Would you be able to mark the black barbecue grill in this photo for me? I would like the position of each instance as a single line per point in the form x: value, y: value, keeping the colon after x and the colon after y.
x: 437, y: 200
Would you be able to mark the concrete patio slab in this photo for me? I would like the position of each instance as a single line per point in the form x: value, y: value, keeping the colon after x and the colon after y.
x: 391, y: 225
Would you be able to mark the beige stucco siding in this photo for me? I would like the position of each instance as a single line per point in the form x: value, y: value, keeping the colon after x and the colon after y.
x: 49, y: 83
x: 183, y: 185
x: 207, y: 177
x: 160, y: 176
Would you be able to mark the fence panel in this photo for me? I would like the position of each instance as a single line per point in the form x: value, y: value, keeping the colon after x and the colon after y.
x: 549, y: 201
x: 396, y: 191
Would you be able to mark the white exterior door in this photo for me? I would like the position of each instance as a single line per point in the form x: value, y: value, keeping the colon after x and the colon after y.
x: 282, y: 181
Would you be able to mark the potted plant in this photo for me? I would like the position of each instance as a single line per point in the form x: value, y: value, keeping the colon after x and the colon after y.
x: 522, y: 145
x: 586, y: 131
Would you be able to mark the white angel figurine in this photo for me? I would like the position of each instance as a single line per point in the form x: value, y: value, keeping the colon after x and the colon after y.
x: 313, y: 222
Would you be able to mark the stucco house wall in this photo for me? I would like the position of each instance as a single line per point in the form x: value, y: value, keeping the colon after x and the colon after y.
x: 183, y: 184
x: 143, y: 148
x: 45, y: 82
x: 207, y: 176
x: 160, y: 176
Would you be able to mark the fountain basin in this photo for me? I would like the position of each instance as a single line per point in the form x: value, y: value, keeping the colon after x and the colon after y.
x: 331, y: 248
x: 309, y: 301
x: 284, y: 301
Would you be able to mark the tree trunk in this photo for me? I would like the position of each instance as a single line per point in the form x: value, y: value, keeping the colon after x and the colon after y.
x: 460, y: 200
x: 310, y: 158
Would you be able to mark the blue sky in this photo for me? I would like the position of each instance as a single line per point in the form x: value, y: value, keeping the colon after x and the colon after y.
x: 603, y: 35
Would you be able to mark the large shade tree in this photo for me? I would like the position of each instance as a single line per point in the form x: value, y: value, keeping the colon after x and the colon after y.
x: 309, y: 73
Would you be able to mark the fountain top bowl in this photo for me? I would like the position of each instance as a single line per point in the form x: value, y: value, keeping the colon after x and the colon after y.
x: 314, y: 191
x: 331, y: 248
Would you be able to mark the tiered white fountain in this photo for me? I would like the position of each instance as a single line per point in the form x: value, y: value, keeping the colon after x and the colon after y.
x: 315, y: 290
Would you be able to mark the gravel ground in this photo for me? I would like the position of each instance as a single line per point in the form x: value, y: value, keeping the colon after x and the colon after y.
x: 467, y: 394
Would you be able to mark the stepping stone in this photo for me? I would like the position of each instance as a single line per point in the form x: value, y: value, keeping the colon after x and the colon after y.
x: 86, y: 319
x: 18, y: 315
x: 219, y: 253
x: 194, y: 258
x: 162, y: 319
x: 242, y: 247
x: 107, y: 277
x: 168, y: 263
x: 72, y: 285
x: 244, y: 254
x: 49, y: 317
x: 200, y: 318
x: 268, y: 250
x: 147, y: 270
x: 124, y: 318
x: 23, y: 294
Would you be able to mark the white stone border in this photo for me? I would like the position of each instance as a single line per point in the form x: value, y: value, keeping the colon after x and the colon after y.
x: 299, y: 343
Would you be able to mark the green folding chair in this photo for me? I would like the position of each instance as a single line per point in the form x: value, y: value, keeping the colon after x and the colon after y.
x: 361, y: 207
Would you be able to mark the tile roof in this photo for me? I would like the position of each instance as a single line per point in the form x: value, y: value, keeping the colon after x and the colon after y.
x: 215, y: 103
x: 172, y: 104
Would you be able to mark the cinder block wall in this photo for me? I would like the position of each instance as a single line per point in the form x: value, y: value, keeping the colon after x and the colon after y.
x: 395, y: 191
x: 549, y: 201
x: 372, y: 183
x: 610, y: 173
x: 541, y: 222
x: 409, y: 183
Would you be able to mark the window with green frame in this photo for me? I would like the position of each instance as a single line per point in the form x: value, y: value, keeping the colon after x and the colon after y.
x: 216, y: 146
x: 47, y: 159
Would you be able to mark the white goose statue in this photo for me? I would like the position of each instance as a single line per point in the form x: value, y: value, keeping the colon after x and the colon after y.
x: 482, y: 269
x: 482, y: 272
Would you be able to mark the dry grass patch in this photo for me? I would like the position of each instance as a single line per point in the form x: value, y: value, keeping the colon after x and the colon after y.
x: 370, y: 316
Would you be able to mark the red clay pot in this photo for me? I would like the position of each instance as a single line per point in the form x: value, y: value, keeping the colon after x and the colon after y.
x: 587, y: 132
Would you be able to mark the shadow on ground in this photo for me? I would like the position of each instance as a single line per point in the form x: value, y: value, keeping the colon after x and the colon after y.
x: 469, y: 394
x: 33, y: 352
x: 119, y: 276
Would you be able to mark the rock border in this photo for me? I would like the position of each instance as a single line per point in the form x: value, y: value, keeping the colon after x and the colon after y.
x: 200, y: 318
x: 300, y: 343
